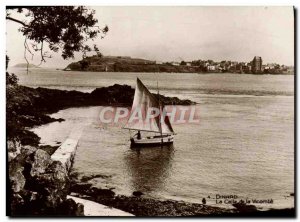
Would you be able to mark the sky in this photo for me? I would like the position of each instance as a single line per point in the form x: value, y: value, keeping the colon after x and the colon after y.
x: 167, y: 33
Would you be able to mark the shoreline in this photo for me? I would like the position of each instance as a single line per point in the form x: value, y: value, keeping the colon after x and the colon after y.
x: 28, y: 107
x: 198, y: 73
x: 151, y: 207
x: 11, y: 68
x: 141, y: 206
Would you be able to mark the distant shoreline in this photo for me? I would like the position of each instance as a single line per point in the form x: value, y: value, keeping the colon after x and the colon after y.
x: 128, y: 64
x: 199, y: 73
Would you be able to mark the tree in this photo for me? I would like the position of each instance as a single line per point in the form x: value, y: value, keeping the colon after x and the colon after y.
x: 60, y: 27
x: 183, y: 63
x: 84, y: 64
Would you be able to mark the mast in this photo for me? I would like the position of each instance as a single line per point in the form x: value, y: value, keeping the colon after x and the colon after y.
x: 159, y: 116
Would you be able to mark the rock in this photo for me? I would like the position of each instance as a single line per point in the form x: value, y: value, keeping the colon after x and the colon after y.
x: 137, y: 193
x: 53, y: 183
x: 16, y: 177
x: 39, y: 185
x: 80, y: 210
x: 28, y: 138
x: 244, y: 208
x: 49, y: 149
x: 92, y: 176
x: 41, y: 160
x: 70, y: 208
x: 16, y: 203
x: 50, y: 187
x: 28, y: 150
x: 13, y: 149
x: 81, y: 187
x: 106, y: 193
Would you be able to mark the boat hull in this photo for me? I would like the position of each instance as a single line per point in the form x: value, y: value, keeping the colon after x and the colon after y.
x: 152, y: 141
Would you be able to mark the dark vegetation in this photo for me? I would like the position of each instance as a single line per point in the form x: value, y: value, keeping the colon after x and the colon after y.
x: 127, y: 64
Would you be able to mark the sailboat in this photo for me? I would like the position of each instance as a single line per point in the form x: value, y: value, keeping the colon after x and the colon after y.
x: 160, y: 125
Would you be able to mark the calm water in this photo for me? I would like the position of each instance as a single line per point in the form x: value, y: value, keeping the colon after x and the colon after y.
x: 244, y: 144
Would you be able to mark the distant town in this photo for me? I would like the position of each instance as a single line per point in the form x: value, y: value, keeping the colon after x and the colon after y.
x: 127, y: 64
x: 255, y: 66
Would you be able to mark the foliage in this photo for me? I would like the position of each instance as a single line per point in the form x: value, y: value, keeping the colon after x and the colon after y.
x: 183, y: 63
x: 84, y: 64
x: 61, y: 27
x: 11, y: 79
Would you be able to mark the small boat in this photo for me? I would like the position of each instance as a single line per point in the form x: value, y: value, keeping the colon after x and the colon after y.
x: 152, y: 140
x: 160, y: 125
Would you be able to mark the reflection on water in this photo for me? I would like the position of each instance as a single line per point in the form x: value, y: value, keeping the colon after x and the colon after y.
x: 149, y: 167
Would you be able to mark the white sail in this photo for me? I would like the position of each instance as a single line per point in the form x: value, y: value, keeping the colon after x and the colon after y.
x: 166, y: 126
x: 144, y: 103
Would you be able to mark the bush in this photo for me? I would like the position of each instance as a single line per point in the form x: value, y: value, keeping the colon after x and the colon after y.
x: 11, y: 79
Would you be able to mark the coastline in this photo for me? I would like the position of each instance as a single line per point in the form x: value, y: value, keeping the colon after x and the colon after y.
x: 28, y: 107
x: 150, y: 207
x: 128, y: 64
x: 200, y: 73
x: 38, y: 184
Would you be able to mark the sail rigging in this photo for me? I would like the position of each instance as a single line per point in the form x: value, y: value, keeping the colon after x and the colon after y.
x: 145, y: 103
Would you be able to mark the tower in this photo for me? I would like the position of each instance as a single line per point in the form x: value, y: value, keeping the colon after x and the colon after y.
x: 256, y: 64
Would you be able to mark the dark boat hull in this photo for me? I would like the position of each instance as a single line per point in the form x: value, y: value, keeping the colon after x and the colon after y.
x: 155, y: 141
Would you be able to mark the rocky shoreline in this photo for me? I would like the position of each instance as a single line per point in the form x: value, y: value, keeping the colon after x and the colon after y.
x: 38, y: 185
x: 28, y: 107
x: 141, y: 206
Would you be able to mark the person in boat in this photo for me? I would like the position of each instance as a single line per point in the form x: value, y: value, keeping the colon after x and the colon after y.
x: 138, y: 135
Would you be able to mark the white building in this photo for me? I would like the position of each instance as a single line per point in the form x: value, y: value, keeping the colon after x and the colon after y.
x: 211, y: 68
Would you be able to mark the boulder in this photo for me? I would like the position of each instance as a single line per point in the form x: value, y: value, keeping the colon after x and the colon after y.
x: 137, y: 193
x: 28, y: 150
x: 244, y: 208
x: 39, y: 185
x: 70, y: 208
x: 13, y: 149
x: 103, y: 193
x: 40, y: 162
x: 16, y: 177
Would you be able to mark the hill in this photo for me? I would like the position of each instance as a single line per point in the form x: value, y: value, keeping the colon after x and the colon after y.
x: 125, y: 64
x: 24, y: 65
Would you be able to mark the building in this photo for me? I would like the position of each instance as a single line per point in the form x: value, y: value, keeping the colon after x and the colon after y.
x: 211, y: 68
x: 256, y: 64
x: 175, y: 63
